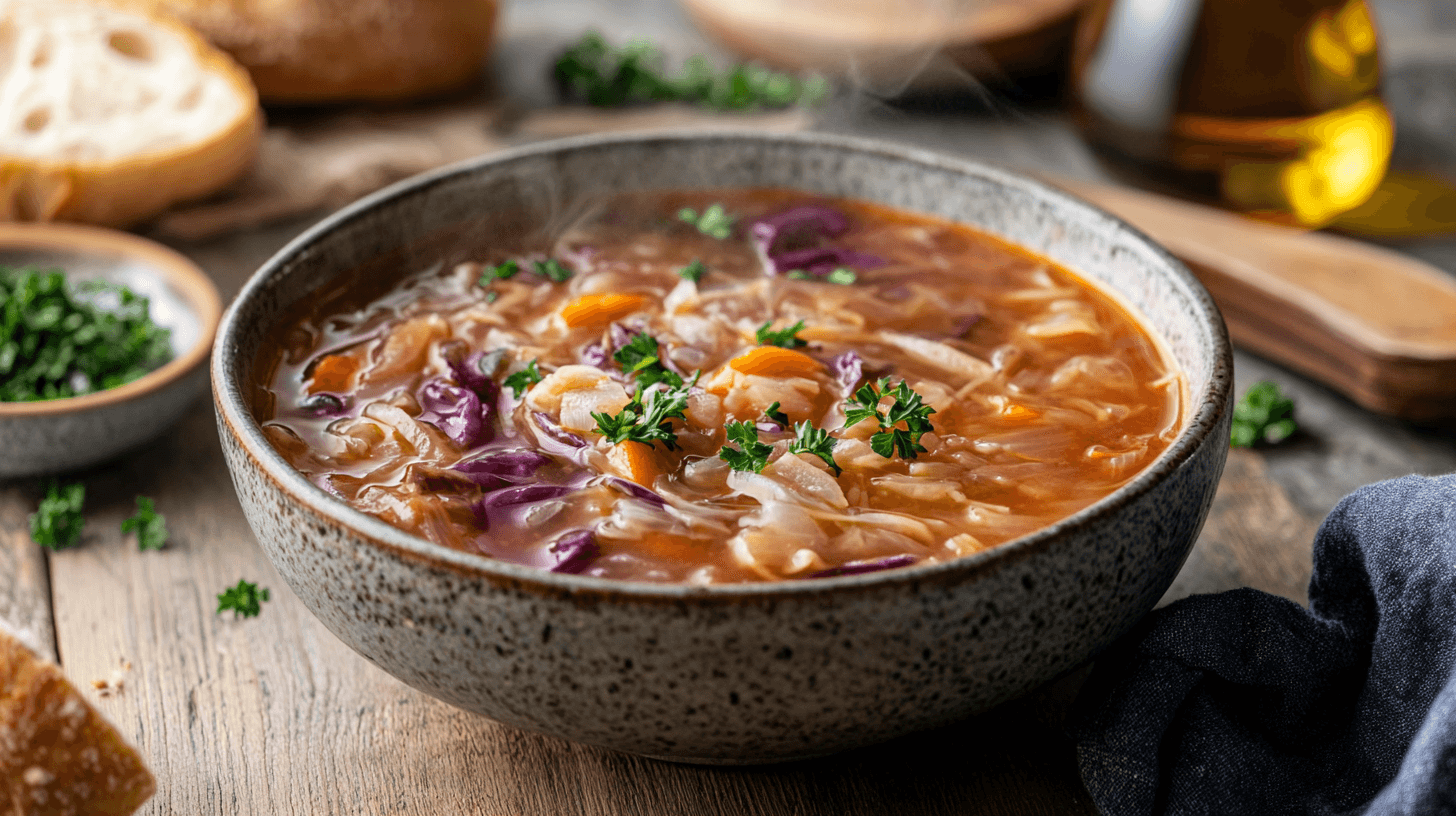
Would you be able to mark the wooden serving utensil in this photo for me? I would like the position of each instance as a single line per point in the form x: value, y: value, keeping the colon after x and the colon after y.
x: 1372, y: 323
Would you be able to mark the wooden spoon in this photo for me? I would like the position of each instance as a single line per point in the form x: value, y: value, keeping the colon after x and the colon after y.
x: 1372, y: 323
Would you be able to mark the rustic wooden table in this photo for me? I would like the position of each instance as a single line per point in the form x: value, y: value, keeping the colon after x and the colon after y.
x: 273, y: 715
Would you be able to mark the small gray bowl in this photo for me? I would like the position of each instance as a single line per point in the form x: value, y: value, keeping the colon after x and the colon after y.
x: 53, y: 436
x: 739, y: 673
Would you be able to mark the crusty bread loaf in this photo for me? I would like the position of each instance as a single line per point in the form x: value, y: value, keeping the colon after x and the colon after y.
x: 58, y: 756
x: 108, y: 116
x: 308, y: 51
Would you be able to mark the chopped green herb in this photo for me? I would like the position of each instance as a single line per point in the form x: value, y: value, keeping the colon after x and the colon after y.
x: 61, y: 340
x: 752, y: 454
x: 816, y: 441
x: 552, y: 270
x: 57, y: 523
x: 1262, y: 415
x: 799, y: 274
x: 714, y: 222
x: 522, y: 380
x: 908, y: 409
x: 640, y: 358
x: 500, y: 271
x: 645, y: 419
x: 606, y: 76
x: 843, y: 276
x: 693, y: 271
x: 775, y: 415
x: 783, y: 338
x: 491, y: 297
x: 245, y: 600
x: 149, y: 525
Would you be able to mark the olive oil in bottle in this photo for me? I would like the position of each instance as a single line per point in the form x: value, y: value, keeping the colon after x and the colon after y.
x: 1268, y: 106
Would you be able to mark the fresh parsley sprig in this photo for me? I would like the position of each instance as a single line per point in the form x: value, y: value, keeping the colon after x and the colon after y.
x: 714, y: 221
x: 645, y: 417
x: 502, y: 271
x: 57, y: 522
x: 816, y: 441
x: 245, y: 600
x: 149, y: 525
x: 1264, y: 414
x: 552, y: 270
x: 641, y: 358
x: 693, y: 271
x: 522, y: 380
x: 751, y: 455
x: 908, y: 410
x: 775, y: 415
x: 783, y: 338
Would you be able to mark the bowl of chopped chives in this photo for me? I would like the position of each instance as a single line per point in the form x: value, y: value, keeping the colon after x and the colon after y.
x: 103, y: 339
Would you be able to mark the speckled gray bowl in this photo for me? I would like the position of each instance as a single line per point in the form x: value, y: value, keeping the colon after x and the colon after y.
x: 54, y: 436
x: 729, y: 674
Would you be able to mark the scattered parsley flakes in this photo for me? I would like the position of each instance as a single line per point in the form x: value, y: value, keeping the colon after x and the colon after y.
x: 522, y: 380
x: 714, y: 221
x: 783, y: 338
x: 752, y: 454
x: 245, y: 600
x: 551, y: 269
x: 501, y: 271
x: 491, y: 297
x: 816, y: 441
x: 775, y: 415
x: 843, y: 276
x: 645, y: 418
x: 1262, y: 415
x: 799, y: 274
x: 693, y: 271
x: 149, y: 525
x: 908, y: 409
x: 640, y: 357
x: 57, y: 523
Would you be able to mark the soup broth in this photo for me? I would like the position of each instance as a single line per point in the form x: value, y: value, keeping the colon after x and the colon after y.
x: 726, y: 386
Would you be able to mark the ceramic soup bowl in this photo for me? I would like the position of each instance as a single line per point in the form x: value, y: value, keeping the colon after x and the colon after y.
x: 729, y: 673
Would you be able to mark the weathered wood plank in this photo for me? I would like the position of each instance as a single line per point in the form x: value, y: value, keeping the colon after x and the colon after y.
x: 25, y: 597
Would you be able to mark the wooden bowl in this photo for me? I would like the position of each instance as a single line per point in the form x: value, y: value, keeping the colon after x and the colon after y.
x: 53, y: 436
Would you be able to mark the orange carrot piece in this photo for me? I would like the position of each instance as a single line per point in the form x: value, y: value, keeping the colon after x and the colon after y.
x: 1018, y: 412
x: 333, y: 373
x: 637, y: 461
x: 595, y: 310
x: 772, y: 361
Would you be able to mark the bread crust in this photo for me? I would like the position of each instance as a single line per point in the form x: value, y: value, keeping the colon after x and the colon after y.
x: 125, y: 191
x: 314, y: 51
x: 58, y: 756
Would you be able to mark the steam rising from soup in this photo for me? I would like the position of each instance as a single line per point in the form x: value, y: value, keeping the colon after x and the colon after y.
x: 795, y: 387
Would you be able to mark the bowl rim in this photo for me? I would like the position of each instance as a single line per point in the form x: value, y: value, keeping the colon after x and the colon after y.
x: 1207, y: 409
x: 191, y: 283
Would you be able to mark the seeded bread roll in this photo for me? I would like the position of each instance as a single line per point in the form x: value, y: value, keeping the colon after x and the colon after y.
x: 58, y: 756
x: 310, y: 51
x: 108, y: 116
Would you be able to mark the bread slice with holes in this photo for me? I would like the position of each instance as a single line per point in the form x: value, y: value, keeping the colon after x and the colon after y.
x: 58, y: 756
x: 109, y: 115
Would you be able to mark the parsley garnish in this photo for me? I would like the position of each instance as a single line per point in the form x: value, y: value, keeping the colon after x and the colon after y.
x: 714, y: 221
x: 843, y: 276
x: 245, y: 599
x: 149, y: 525
x: 783, y: 338
x: 775, y: 415
x: 752, y: 455
x: 522, y: 380
x: 817, y: 441
x: 640, y: 358
x: 693, y: 271
x: 799, y: 274
x: 500, y: 271
x: 58, y: 340
x: 645, y: 419
x: 908, y: 408
x: 1264, y: 414
x: 551, y: 269
x: 607, y: 76
x: 57, y: 523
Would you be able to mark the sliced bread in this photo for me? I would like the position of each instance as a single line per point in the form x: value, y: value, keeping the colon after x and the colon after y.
x: 109, y: 115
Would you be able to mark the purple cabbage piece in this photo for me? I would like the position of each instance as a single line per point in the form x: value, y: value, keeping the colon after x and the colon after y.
x: 574, y: 551
x: 820, y: 261
x: 325, y: 404
x: 496, y: 470
x: 473, y: 372
x: 848, y: 369
x: 457, y: 411
x: 523, y: 494
x: 634, y: 490
x: 621, y: 334
x: 797, y: 226
x: 555, y: 432
x: 595, y: 355
x: 862, y: 567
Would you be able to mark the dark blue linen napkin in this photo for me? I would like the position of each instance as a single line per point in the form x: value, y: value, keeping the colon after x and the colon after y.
x: 1247, y: 703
